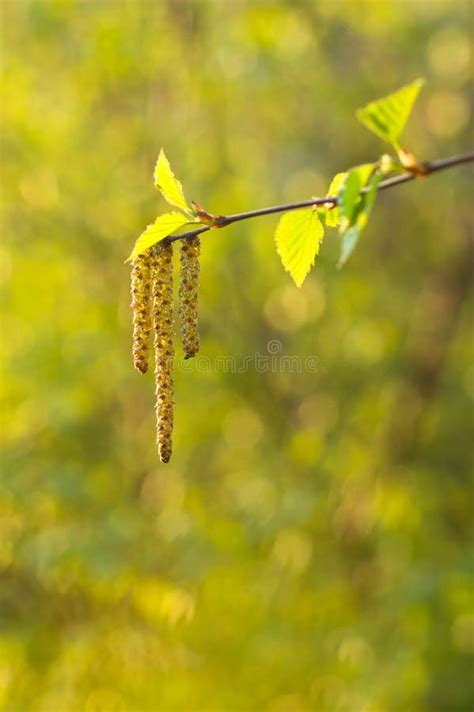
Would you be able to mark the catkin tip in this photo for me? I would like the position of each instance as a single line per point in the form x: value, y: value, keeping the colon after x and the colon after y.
x: 165, y: 455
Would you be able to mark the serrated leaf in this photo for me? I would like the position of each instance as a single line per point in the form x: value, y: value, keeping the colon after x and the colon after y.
x: 351, y: 234
x: 163, y: 226
x: 387, y: 117
x: 332, y: 214
x: 349, y: 194
x: 168, y: 184
x: 298, y: 236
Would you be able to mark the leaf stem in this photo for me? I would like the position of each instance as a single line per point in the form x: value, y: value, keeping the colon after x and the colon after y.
x: 224, y: 220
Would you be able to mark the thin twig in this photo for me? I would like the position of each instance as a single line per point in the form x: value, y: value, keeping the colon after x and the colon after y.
x: 224, y: 220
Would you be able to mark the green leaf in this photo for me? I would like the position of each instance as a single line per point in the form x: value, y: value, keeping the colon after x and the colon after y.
x: 298, y: 236
x: 163, y: 226
x: 349, y: 241
x: 168, y: 184
x: 360, y: 217
x: 349, y: 194
x: 332, y: 214
x: 387, y: 117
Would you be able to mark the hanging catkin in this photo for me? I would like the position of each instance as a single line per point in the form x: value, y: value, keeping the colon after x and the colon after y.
x: 141, y: 309
x: 164, y: 347
x: 188, y: 295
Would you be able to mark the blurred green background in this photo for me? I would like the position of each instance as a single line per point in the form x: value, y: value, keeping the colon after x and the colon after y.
x: 309, y: 545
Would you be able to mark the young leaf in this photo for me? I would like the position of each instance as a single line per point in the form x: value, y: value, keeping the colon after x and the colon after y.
x: 332, y: 214
x: 387, y: 117
x: 349, y: 194
x: 163, y: 226
x: 298, y: 236
x: 349, y: 241
x: 168, y: 184
x: 360, y: 217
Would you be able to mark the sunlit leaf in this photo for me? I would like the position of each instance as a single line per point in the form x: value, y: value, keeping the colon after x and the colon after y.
x: 332, y: 214
x: 298, y: 236
x: 387, y: 117
x: 163, y: 226
x: 168, y: 184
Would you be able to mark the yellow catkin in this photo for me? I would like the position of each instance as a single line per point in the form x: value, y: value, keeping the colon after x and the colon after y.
x: 164, y: 347
x: 189, y: 295
x: 141, y: 309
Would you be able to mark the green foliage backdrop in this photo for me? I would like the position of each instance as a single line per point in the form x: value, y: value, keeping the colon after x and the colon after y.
x: 308, y: 546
